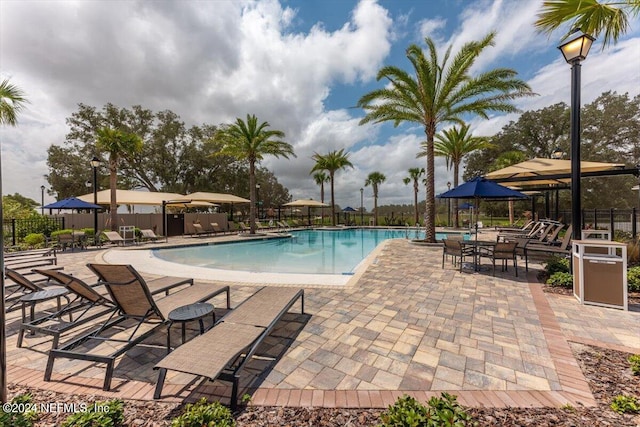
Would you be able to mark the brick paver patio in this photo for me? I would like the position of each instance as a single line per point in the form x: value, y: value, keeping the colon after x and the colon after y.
x: 404, y: 326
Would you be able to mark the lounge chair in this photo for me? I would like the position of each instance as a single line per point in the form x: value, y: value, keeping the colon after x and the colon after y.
x: 537, y: 250
x: 31, y: 293
x: 149, y: 235
x: 114, y: 237
x: 523, y: 229
x: 200, y: 231
x: 243, y: 227
x: 215, y: 227
x: 132, y: 297
x: 87, y: 305
x: 223, y: 351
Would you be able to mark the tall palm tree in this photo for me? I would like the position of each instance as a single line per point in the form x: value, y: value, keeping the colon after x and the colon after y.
x: 592, y: 16
x: 251, y: 142
x: 331, y: 162
x: 320, y: 178
x: 374, y: 180
x: 454, y: 144
x: 118, y: 144
x: 414, y: 175
x: 441, y: 92
x: 12, y: 101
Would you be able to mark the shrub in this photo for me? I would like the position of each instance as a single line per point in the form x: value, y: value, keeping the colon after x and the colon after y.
x: 59, y: 232
x: 556, y: 264
x: 634, y: 360
x: 633, y: 279
x: 563, y: 280
x: 34, y: 240
x: 625, y: 404
x: 19, y: 419
x: 440, y: 411
x: 110, y: 414
x: 203, y: 414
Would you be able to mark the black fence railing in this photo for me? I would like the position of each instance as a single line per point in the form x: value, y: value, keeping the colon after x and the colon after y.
x: 615, y: 220
x: 15, y: 230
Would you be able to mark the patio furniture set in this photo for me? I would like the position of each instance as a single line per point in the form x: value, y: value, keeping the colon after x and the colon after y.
x: 122, y: 309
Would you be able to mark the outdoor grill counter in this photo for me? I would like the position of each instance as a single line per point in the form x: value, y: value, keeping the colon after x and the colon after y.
x: 600, y: 272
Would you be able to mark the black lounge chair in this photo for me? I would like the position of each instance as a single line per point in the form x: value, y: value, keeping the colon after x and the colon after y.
x: 22, y: 287
x: 223, y: 351
x: 134, y: 304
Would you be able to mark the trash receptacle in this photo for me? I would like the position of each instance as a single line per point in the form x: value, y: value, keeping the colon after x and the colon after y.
x: 600, y: 272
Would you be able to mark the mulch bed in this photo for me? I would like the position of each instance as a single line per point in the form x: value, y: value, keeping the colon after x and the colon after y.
x: 607, y: 371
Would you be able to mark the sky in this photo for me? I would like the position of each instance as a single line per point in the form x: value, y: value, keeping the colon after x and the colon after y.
x: 300, y: 65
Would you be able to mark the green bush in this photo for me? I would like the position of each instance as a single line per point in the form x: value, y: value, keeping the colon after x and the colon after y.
x: 634, y: 360
x: 440, y: 411
x: 203, y: 414
x: 563, y: 280
x: 108, y: 414
x: 633, y: 279
x: 19, y: 419
x: 625, y: 404
x: 56, y: 233
x: 34, y: 240
x: 556, y: 264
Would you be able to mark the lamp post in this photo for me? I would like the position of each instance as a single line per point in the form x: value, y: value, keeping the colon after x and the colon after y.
x: 42, y: 200
x: 575, y: 49
x: 557, y: 154
x: 448, y: 206
x: 95, y: 163
x: 361, y: 207
x: 258, y: 200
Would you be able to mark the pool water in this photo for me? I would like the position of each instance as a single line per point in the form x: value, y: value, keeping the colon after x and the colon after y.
x: 307, y: 251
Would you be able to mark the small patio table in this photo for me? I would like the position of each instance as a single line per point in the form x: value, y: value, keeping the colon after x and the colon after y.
x: 477, y: 246
x: 35, y: 297
x: 188, y: 313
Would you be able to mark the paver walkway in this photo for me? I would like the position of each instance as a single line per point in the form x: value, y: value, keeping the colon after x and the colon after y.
x: 406, y: 326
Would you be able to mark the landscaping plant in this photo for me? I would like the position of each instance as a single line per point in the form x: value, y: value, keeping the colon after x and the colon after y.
x: 15, y: 418
x: 633, y: 279
x: 204, y: 414
x: 442, y: 411
x: 110, y: 414
x: 625, y: 404
x: 634, y: 360
x: 560, y: 279
x: 556, y: 264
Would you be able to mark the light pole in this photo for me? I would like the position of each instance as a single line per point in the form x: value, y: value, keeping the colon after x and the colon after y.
x: 557, y: 154
x: 449, y: 206
x: 361, y: 207
x: 575, y: 49
x: 95, y: 163
x: 42, y: 200
x: 258, y: 200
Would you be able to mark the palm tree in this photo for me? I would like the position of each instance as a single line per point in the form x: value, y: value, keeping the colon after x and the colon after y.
x: 331, y: 162
x: 592, y: 17
x: 118, y: 144
x: 374, y: 180
x: 414, y: 175
x: 251, y: 142
x: 441, y: 92
x: 454, y: 144
x: 12, y: 101
x: 320, y: 178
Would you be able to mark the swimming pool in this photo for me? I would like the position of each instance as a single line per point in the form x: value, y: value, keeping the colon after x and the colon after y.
x: 306, y: 251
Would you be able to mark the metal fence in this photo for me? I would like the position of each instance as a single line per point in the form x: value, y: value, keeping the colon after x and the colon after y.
x: 15, y: 230
x: 615, y: 220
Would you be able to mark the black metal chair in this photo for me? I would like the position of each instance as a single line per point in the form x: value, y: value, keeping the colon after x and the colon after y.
x: 455, y: 249
x: 502, y: 251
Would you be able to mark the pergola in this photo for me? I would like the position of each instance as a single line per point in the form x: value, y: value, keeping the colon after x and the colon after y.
x: 540, y: 174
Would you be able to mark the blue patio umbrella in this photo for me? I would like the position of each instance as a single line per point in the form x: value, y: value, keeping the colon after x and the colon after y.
x: 482, y: 188
x: 466, y: 206
x: 72, y: 203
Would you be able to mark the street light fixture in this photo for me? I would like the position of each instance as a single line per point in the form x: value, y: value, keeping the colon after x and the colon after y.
x: 95, y: 163
x: 258, y: 200
x: 42, y: 200
x: 574, y: 50
x: 361, y: 207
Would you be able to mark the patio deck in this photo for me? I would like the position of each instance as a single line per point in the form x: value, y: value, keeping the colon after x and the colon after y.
x: 405, y: 326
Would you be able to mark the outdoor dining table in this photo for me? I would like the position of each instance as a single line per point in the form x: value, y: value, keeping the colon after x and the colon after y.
x: 477, y: 246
